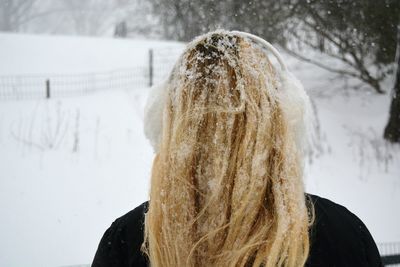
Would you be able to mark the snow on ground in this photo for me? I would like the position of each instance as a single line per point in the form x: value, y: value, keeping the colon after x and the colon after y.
x: 33, y: 54
x: 70, y: 166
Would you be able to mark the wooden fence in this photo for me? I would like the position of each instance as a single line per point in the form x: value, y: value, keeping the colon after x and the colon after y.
x: 60, y: 85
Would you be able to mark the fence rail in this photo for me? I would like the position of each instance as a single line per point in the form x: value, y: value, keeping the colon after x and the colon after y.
x: 46, y: 86
x: 390, y: 253
x: 56, y: 85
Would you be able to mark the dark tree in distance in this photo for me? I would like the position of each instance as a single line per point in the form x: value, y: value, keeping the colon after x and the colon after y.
x: 392, y: 130
x: 183, y: 19
x: 360, y: 34
x: 264, y: 18
x: 15, y: 13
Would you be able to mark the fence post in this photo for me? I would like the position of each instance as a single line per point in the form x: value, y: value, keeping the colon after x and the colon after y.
x: 150, y: 67
x: 47, y: 88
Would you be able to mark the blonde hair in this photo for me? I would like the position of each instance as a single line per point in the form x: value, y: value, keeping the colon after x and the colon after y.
x: 226, y: 186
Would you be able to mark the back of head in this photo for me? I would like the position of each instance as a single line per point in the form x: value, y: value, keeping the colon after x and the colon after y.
x: 226, y: 186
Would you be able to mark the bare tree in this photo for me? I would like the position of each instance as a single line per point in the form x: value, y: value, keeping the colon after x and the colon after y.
x: 182, y: 19
x: 15, y: 13
x: 91, y: 17
x: 360, y: 34
x: 139, y: 19
x: 392, y: 130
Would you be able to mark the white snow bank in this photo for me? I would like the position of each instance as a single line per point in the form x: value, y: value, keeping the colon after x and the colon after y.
x: 35, y: 54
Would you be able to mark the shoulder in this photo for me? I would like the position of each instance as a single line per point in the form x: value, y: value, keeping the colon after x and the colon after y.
x: 339, y: 236
x: 123, y: 236
x: 336, y: 216
x: 133, y: 217
x: 326, y: 208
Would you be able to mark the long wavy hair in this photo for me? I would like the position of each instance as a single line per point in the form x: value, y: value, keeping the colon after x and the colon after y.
x: 226, y: 186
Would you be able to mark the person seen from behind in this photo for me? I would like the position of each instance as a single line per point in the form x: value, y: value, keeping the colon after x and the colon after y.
x: 230, y: 131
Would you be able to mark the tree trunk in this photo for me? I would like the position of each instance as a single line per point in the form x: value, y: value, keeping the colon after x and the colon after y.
x: 5, y: 17
x: 392, y: 130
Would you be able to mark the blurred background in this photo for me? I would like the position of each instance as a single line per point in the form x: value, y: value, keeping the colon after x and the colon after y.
x: 75, y: 75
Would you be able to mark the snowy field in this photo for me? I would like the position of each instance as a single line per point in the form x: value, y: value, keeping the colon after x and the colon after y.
x: 70, y: 166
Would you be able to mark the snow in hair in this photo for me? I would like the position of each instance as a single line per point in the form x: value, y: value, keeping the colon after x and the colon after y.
x: 229, y: 131
x: 292, y: 96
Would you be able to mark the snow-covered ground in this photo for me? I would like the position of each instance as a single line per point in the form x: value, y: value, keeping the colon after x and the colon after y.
x: 70, y: 166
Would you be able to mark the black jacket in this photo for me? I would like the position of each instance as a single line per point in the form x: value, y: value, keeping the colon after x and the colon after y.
x: 338, y: 238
